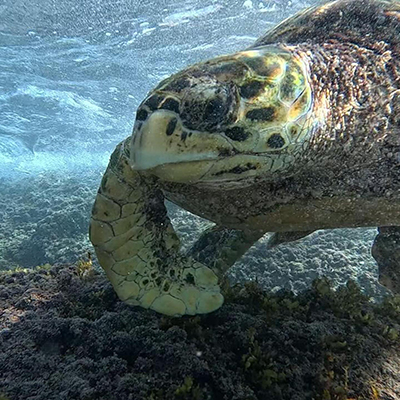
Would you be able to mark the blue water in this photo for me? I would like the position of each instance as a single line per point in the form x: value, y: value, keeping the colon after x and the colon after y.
x: 73, y: 72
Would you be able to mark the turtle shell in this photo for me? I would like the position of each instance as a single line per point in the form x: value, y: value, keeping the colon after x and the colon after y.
x: 362, y: 22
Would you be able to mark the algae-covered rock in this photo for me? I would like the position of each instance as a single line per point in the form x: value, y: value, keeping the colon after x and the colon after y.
x: 64, y: 335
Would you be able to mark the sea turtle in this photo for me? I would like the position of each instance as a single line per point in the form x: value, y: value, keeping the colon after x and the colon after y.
x: 299, y: 132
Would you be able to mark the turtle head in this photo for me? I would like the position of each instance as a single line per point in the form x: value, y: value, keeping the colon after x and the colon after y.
x: 229, y: 120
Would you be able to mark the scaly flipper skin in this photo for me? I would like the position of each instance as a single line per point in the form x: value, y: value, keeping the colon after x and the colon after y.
x: 139, y: 250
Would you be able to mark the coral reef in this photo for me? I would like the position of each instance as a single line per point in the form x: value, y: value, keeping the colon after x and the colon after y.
x: 64, y: 335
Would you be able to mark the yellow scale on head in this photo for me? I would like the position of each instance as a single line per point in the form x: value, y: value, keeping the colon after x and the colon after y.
x: 286, y: 91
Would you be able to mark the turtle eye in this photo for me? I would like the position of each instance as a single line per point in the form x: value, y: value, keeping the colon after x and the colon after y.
x: 215, y: 111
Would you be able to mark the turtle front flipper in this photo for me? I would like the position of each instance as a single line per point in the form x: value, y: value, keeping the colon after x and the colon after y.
x: 138, y: 248
x: 386, y: 251
x: 219, y: 248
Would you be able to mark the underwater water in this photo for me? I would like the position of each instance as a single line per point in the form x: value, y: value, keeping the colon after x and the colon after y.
x: 72, y: 74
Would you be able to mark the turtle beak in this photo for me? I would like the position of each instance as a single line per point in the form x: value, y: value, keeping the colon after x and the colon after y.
x: 160, y: 146
x: 161, y: 141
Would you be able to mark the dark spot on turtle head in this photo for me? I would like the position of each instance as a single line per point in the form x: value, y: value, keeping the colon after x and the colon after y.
x: 261, y: 114
x: 209, y: 106
x: 192, y: 114
x: 276, y: 141
x: 233, y: 69
x: 270, y: 70
x: 170, y: 104
x: 141, y: 114
x: 177, y: 85
x: 251, y: 89
x: 190, y: 279
x: 199, y: 72
x: 287, y: 88
x: 237, y: 133
x: 171, y: 126
x: 242, y: 168
x: 153, y: 102
x: 184, y: 136
x: 225, y: 152
x: 254, y: 63
x: 239, y: 169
